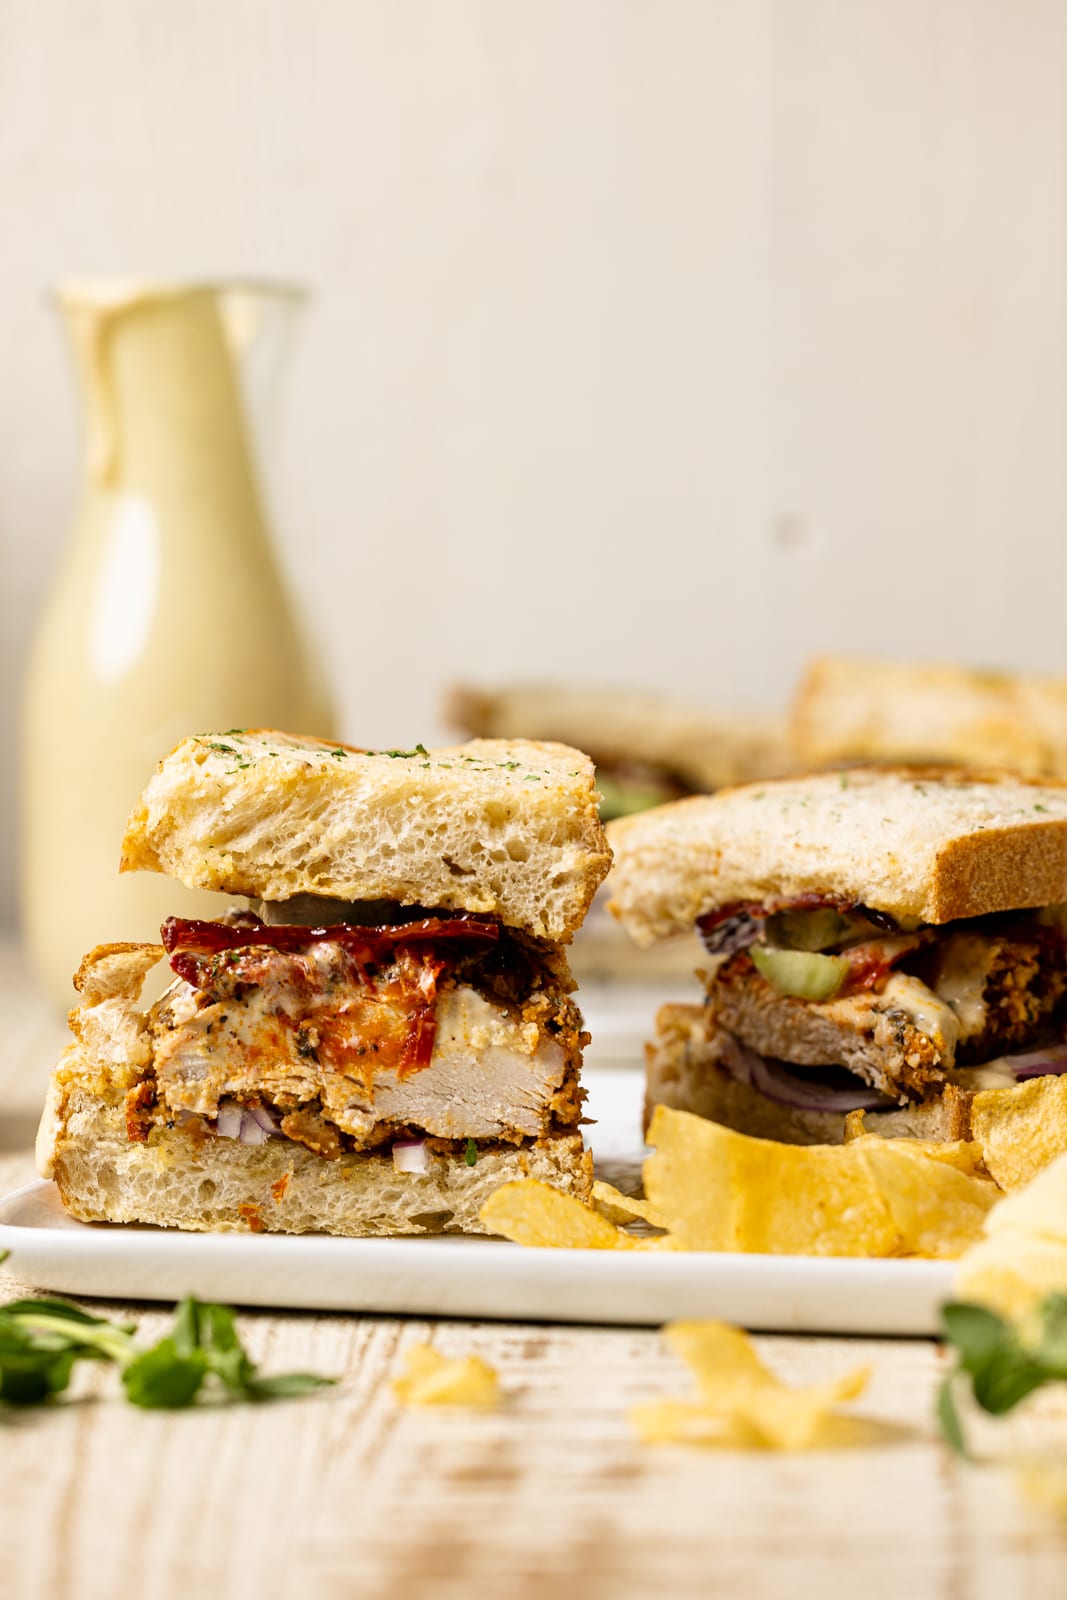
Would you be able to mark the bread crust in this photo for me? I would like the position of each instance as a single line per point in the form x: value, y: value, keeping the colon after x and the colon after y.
x: 926, y: 843
x: 507, y: 828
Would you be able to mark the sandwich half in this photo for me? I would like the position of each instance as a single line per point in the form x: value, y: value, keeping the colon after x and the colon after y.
x: 880, y: 941
x: 854, y: 709
x: 648, y: 748
x: 384, y: 1035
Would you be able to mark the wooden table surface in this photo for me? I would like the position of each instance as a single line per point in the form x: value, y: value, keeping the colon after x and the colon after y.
x: 346, y: 1494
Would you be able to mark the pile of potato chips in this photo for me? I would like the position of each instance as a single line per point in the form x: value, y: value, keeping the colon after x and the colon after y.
x: 709, y: 1188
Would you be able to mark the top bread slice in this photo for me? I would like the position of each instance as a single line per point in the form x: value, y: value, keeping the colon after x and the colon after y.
x: 929, y: 844
x: 703, y: 748
x: 856, y: 710
x: 504, y: 828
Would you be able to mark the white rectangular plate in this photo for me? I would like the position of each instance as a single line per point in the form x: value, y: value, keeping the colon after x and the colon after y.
x: 476, y: 1277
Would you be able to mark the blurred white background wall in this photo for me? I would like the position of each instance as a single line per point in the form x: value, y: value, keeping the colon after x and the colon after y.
x: 654, y: 340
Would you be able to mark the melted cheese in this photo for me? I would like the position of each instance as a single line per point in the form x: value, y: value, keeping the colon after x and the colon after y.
x: 930, y: 1015
x: 962, y: 977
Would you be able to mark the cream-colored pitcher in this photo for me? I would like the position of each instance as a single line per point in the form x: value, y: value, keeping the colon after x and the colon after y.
x: 169, y: 614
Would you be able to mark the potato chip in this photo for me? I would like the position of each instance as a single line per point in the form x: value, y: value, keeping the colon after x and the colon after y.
x: 691, y: 1422
x: 1021, y: 1129
x: 1011, y: 1273
x: 623, y: 1208
x: 743, y: 1405
x: 1044, y: 1483
x: 436, y: 1380
x: 1039, y: 1209
x: 533, y: 1213
x: 937, y: 1209
x: 1023, y: 1256
x: 715, y: 1189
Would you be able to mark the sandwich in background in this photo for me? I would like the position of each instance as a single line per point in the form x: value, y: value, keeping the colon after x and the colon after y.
x: 384, y: 1037
x: 886, y: 942
x: 847, y: 709
x: 647, y: 748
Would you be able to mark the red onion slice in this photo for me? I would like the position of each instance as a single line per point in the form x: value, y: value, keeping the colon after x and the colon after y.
x: 229, y: 1119
x: 794, y: 1089
x: 1045, y: 1063
x: 251, y: 1132
x: 411, y: 1155
x: 266, y: 1119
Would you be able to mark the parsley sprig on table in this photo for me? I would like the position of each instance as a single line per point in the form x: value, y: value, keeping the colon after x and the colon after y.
x: 201, y: 1357
x: 1004, y: 1361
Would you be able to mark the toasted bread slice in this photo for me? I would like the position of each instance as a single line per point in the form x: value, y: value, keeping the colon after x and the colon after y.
x: 703, y: 748
x: 506, y: 828
x: 684, y: 1071
x: 177, y: 1180
x: 849, y: 709
x: 923, y: 844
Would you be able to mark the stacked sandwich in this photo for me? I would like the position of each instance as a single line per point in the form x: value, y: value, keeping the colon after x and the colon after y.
x: 885, y: 942
x: 382, y: 1037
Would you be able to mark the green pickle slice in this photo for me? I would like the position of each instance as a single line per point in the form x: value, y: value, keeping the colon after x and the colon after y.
x: 801, y: 973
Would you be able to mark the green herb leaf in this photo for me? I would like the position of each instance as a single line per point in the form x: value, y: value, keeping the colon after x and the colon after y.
x: 41, y: 1339
x: 163, y: 1379
x: 949, y: 1417
x: 286, y: 1385
x: 1004, y: 1361
x: 406, y: 755
x: 976, y: 1332
x: 471, y: 1154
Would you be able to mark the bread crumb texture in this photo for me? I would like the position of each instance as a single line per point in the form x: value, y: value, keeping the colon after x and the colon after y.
x: 928, y: 843
x: 506, y: 828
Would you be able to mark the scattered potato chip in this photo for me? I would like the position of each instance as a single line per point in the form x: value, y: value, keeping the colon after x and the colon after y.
x: 533, y: 1213
x: 743, y: 1405
x: 622, y: 1208
x: 1021, y: 1129
x: 1045, y: 1483
x: 436, y: 1380
x: 692, y: 1422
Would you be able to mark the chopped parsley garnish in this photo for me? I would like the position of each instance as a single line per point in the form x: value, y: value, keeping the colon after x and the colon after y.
x: 339, y: 754
x: 1041, y: 808
x: 42, y: 1339
x: 471, y: 1154
x: 405, y: 755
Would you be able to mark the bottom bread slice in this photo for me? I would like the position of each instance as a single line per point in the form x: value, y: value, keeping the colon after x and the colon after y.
x: 683, y: 1071
x: 178, y: 1179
